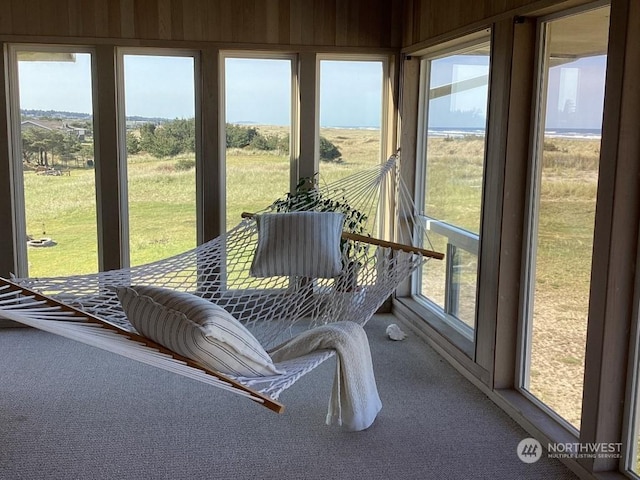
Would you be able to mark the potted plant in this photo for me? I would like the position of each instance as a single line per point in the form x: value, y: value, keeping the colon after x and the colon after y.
x: 307, y: 197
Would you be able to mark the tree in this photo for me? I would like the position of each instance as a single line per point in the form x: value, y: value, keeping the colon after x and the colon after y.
x: 32, y: 143
x: 42, y: 145
x: 328, y: 151
x: 167, y: 139
x: 147, y: 136
x: 133, y: 144
x: 239, y: 136
x: 184, y: 134
x: 64, y: 145
x: 178, y: 136
x: 86, y: 153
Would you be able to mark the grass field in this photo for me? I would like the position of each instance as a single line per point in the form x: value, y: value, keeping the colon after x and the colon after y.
x: 561, y: 289
x: 162, y: 218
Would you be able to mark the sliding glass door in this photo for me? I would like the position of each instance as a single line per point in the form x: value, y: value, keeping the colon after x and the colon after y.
x: 562, y: 208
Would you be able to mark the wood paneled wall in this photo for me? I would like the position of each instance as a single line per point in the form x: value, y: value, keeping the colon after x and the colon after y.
x: 332, y: 23
x: 425, y: 19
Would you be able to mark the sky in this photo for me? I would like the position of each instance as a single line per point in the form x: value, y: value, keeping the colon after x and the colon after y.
x: 257, y: 90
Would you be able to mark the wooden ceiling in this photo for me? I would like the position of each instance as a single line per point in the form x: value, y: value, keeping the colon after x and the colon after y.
x: 581, y: 35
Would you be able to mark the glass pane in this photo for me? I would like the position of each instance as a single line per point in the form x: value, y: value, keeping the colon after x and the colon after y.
x: 57, y: 158
x: 159, y: 108
x: 350, y: 116
x: 453, y: 188
x: 568, y: 157
x: 632, y: 447
x: 258, y: 116
x: 464, y: 278
x: 456, y: 97
x: 434, y: 272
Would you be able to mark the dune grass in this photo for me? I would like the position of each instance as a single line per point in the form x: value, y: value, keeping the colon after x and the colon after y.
x: 162, y: 212
x: 162, y: 208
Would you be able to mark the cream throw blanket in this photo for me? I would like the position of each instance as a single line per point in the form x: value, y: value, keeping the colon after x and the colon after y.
x: 354, y: 402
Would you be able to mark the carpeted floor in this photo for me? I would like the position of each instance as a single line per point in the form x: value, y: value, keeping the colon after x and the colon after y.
x: 68, y: 411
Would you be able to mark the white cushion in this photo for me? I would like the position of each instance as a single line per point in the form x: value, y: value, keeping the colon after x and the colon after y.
x: 305, y: 244
x: 197, y: 329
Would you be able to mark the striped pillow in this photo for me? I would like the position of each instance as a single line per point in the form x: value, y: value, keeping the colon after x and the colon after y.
x: 304, y: 244
x: 197, y: 329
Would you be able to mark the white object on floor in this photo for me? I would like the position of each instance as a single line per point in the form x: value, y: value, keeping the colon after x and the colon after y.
x: 395, y: 333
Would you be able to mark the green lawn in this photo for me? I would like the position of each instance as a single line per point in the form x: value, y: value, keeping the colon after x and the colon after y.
x: 63, y: 208
x: 162, y: 215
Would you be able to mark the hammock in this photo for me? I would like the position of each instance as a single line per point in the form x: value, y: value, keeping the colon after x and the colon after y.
x: 86, y: 308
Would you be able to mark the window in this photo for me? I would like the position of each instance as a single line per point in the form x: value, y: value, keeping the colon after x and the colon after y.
x: 159, y: 105
x: 632, y: 418
x: 454, y: 97
x: 351, y: 112
x: 258, y: 112
x: 562, y: 209
x: 54, y: 161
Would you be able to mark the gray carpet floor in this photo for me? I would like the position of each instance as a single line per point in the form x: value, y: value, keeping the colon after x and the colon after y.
x: 69, y: 411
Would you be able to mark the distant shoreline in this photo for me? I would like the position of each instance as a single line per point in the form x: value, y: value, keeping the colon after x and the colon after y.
x: 577, y: 133
x: 451, y: 132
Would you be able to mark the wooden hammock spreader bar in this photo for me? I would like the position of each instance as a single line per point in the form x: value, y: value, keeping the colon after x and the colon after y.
x: 254, y: 395
x: 392, y: 245
x: 380, y: 243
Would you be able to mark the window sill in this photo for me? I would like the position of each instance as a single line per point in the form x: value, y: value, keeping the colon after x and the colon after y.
x: 437, y: 324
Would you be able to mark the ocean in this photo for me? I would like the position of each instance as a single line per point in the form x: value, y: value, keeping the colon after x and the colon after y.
x: 456, y: 132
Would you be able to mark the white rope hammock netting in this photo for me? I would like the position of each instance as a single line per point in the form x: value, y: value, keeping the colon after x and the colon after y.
x: 273, y: 309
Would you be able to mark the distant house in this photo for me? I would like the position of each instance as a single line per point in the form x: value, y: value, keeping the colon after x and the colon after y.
x: 28, y: 124
x: 50, y: 125
x: 77, y: 131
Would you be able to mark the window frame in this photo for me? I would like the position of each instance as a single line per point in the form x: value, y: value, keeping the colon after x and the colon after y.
x: 125, y: 250
x: 531, y: 214
x: 385, y: 94
x: 21, y: 261
x: 294, y: 157
x: 631, y: 417
x: 384, y: 221
x: 441, y: 318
